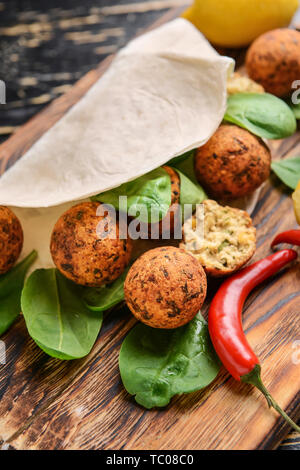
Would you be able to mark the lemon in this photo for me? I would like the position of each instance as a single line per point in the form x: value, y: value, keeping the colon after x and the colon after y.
x: 296, y: 201
x: 236, y: 23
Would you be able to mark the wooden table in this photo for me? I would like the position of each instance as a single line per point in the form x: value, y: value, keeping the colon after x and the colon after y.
x: 47, y: 403
x: 46, y: 48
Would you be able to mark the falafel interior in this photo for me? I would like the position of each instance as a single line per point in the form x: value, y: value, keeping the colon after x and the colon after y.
x: 238, y: 83
x: 222, y: 239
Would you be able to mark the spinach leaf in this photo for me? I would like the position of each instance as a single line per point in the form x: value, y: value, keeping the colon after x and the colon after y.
x: 11, y: 285
x: 56, y: 317
x: 187, y: 168
x: 152, y: 190
x: 99, y: 299
x: 181, y: 158
x: 294, y: 107
x: 296, y: 110
x: 157, y: 364
x: 190, y: 193
x: 264, y: 115
x: 288, y: 171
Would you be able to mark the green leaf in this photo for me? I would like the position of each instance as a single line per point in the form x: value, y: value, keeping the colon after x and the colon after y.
x: 264, y: 115
x: 190, y: 193
x: 156, y: 364
x: 99, y: 299
x: 187, y: 168
x: 181, y: 158
x: 296, y: 110
x: 294, y: 107
x: 56, y: 317
x: 288, y: 171
x: 11, y: 285
x: 152, y: 190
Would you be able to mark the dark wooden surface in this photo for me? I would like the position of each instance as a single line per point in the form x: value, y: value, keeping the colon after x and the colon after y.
x: 45, y: 47
x: 49, y: 60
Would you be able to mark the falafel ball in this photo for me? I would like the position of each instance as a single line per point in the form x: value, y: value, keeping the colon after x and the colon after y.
x: 224, y: 243
x: 165, y: 287
x: 86, y: 247
x: 11, y: 239
x: 233, y: 163
x: 273, y: 60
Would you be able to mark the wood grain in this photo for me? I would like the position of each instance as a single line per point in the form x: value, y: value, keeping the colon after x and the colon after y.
x: 88, y: 415
x: 50, y: 404
x: 45, y: 49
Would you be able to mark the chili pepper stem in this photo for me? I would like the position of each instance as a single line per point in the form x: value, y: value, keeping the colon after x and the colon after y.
x: 254, y: 378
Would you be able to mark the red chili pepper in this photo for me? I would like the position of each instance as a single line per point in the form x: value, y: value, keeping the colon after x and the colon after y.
x: 225, y: 322
x: 290, y: 236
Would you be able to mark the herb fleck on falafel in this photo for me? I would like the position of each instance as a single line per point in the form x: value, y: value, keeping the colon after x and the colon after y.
x: 165, y: 287
x: 81, y: 253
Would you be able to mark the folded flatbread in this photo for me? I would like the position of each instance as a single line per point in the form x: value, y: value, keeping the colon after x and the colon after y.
x: 164, y: 94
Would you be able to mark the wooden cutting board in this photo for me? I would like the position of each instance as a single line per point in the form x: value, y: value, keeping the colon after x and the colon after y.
x: 51, y: 404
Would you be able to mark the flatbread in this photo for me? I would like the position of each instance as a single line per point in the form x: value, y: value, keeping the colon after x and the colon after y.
x: 164, y: 94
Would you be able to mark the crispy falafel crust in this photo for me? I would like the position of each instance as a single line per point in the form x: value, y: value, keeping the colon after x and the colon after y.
x: 175, y: 184
x: 79, y: 252
x: 273, y: 60
x: 11, y: 239
x: 165, y: 287
x: 233, y: 163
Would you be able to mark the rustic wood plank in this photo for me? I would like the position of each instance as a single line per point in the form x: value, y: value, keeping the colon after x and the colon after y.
x: 47, y: 404
x: 87, y: 415
x: 31, y: 380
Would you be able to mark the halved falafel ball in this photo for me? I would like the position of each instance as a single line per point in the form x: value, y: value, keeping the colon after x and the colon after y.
x: 82, y: 249
x: 233, y: 163
x: 165, y: 287
x: 273, y: 60
x: 222, y: 239
x: 11, y: 239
